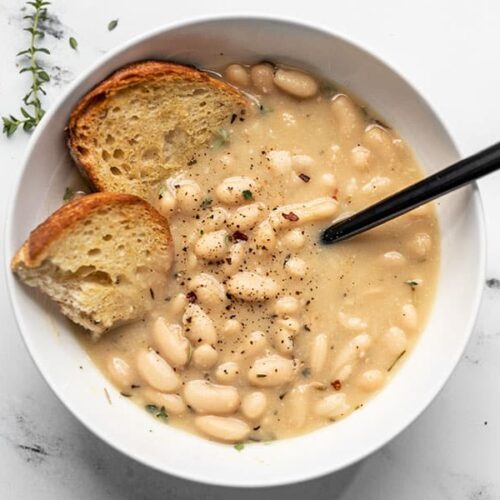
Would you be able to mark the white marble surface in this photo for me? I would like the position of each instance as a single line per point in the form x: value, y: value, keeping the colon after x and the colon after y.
x: 451, y: 51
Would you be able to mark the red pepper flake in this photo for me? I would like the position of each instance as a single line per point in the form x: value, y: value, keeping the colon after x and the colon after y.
x: 290, y: 216
x: 337, y: 385
x: 305, y: 177
x: 334, y: 195
x: 238, y: 235
x: 191, y: 297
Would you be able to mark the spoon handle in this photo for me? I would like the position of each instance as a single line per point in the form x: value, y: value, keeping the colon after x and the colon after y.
x: 438, y: 184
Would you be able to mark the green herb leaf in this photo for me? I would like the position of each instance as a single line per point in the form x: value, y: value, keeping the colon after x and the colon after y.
x: 221, y: 137
x: 306, y: 372
x: 206, y: 202
x: 73, y: 43
x: 112, y: 24
x: 152, y: 409
x: 161, y: 191
x: 38, y: 75
x: 247, y: 194
x: 413, y: 283
x: 68, y: 194
x: 162, y: 413
x: 239, y: 446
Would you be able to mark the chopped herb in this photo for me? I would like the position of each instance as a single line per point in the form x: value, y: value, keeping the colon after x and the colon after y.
x: 125, y: 395
x: 68, y: 194
x: 238, y: 235
x: 206, y: 202
x: 73, y: 43
x: 265, y: 109
x: 247, y: 194
x: 413, y: 283
x: 202, y: 232
x: 191, y: 297
x: 157, y: 412
x: 233, y: 117
x: 239, y: 446
x: 228, y: 238
x: 261, y: 375
x: 152, y: 293
x: 112, y: 24
x: 304, y: 177
x: 306, y: 372
x: 395, y: 361
x: 290, y: 216
x: 221, y: 138
x: 161, y: 191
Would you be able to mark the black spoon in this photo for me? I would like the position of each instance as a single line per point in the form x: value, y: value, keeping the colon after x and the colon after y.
x: 449, y: 179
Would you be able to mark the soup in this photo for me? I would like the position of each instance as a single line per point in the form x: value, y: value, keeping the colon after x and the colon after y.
x: 265, y: 333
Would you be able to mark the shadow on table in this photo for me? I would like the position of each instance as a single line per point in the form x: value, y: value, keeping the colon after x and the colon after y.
x: 126, y: 479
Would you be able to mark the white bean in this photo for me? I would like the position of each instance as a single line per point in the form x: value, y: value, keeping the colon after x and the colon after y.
x: 167, y: 203
x: 283, y: 341
x: 319, y: 352
x: 178, y: 304
x: 213, y: 246
x: 234, y: 259
x: 254, y: 405
x: 170, y: 341
x: 294, y: 239
x: 121, y: 373
x: 379, y: 141
x: 280, y: 162
x: 352, y: 323
x: 420, y: 245
x: 188, y: 195
x: 252, y: 345
x: 208, y: 289
x: 348, y: 116
x: 198, y: 326
x: 227, y: 372
x: 271, y: 371
x: 252, y: 287
x: 409, y: 317
x: 231, y: 327
x: 215, y: 219
x: 262, y: 76
x: 296, y: 267
x: 352, y: 351
x: 204, y: 357
x: 297, y: 406
x: 173, y: 403
x: 247, y: 216
x: 296, y: 83
x: 205, y: 397
x: 329, y: 180
x: 154, y: 370
x: 301, y: 213
x: 332, y: 406
x: 265, y: 236
x: 286, y: 305
x: 227, y: 429
x: 361, y: 157
x: 237, y: 190
x: 394, y: 340
x: 237, y: 75
x: 394, y: 259
x: 377, y: 185
x: 302, y: 161
x: 371, y: 380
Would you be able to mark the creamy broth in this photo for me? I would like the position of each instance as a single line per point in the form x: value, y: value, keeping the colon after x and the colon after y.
x: 264, y: 333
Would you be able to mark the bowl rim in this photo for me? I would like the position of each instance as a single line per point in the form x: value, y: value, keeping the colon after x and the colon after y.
x: 478, y: 221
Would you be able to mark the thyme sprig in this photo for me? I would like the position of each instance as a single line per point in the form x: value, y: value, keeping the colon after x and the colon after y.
x: 30, y: 118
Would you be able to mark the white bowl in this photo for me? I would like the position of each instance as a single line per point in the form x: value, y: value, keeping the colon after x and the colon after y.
x: 79, y: 385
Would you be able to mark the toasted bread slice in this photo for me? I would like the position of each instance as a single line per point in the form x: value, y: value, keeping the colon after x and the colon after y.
x: 146, y: 119
x: 100, y: 257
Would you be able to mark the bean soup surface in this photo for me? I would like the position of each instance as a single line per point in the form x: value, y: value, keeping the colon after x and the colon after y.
x: 264, y: 333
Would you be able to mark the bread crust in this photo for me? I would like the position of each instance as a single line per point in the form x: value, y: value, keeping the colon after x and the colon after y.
x: 37, y: 246
x: 124, y: 77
